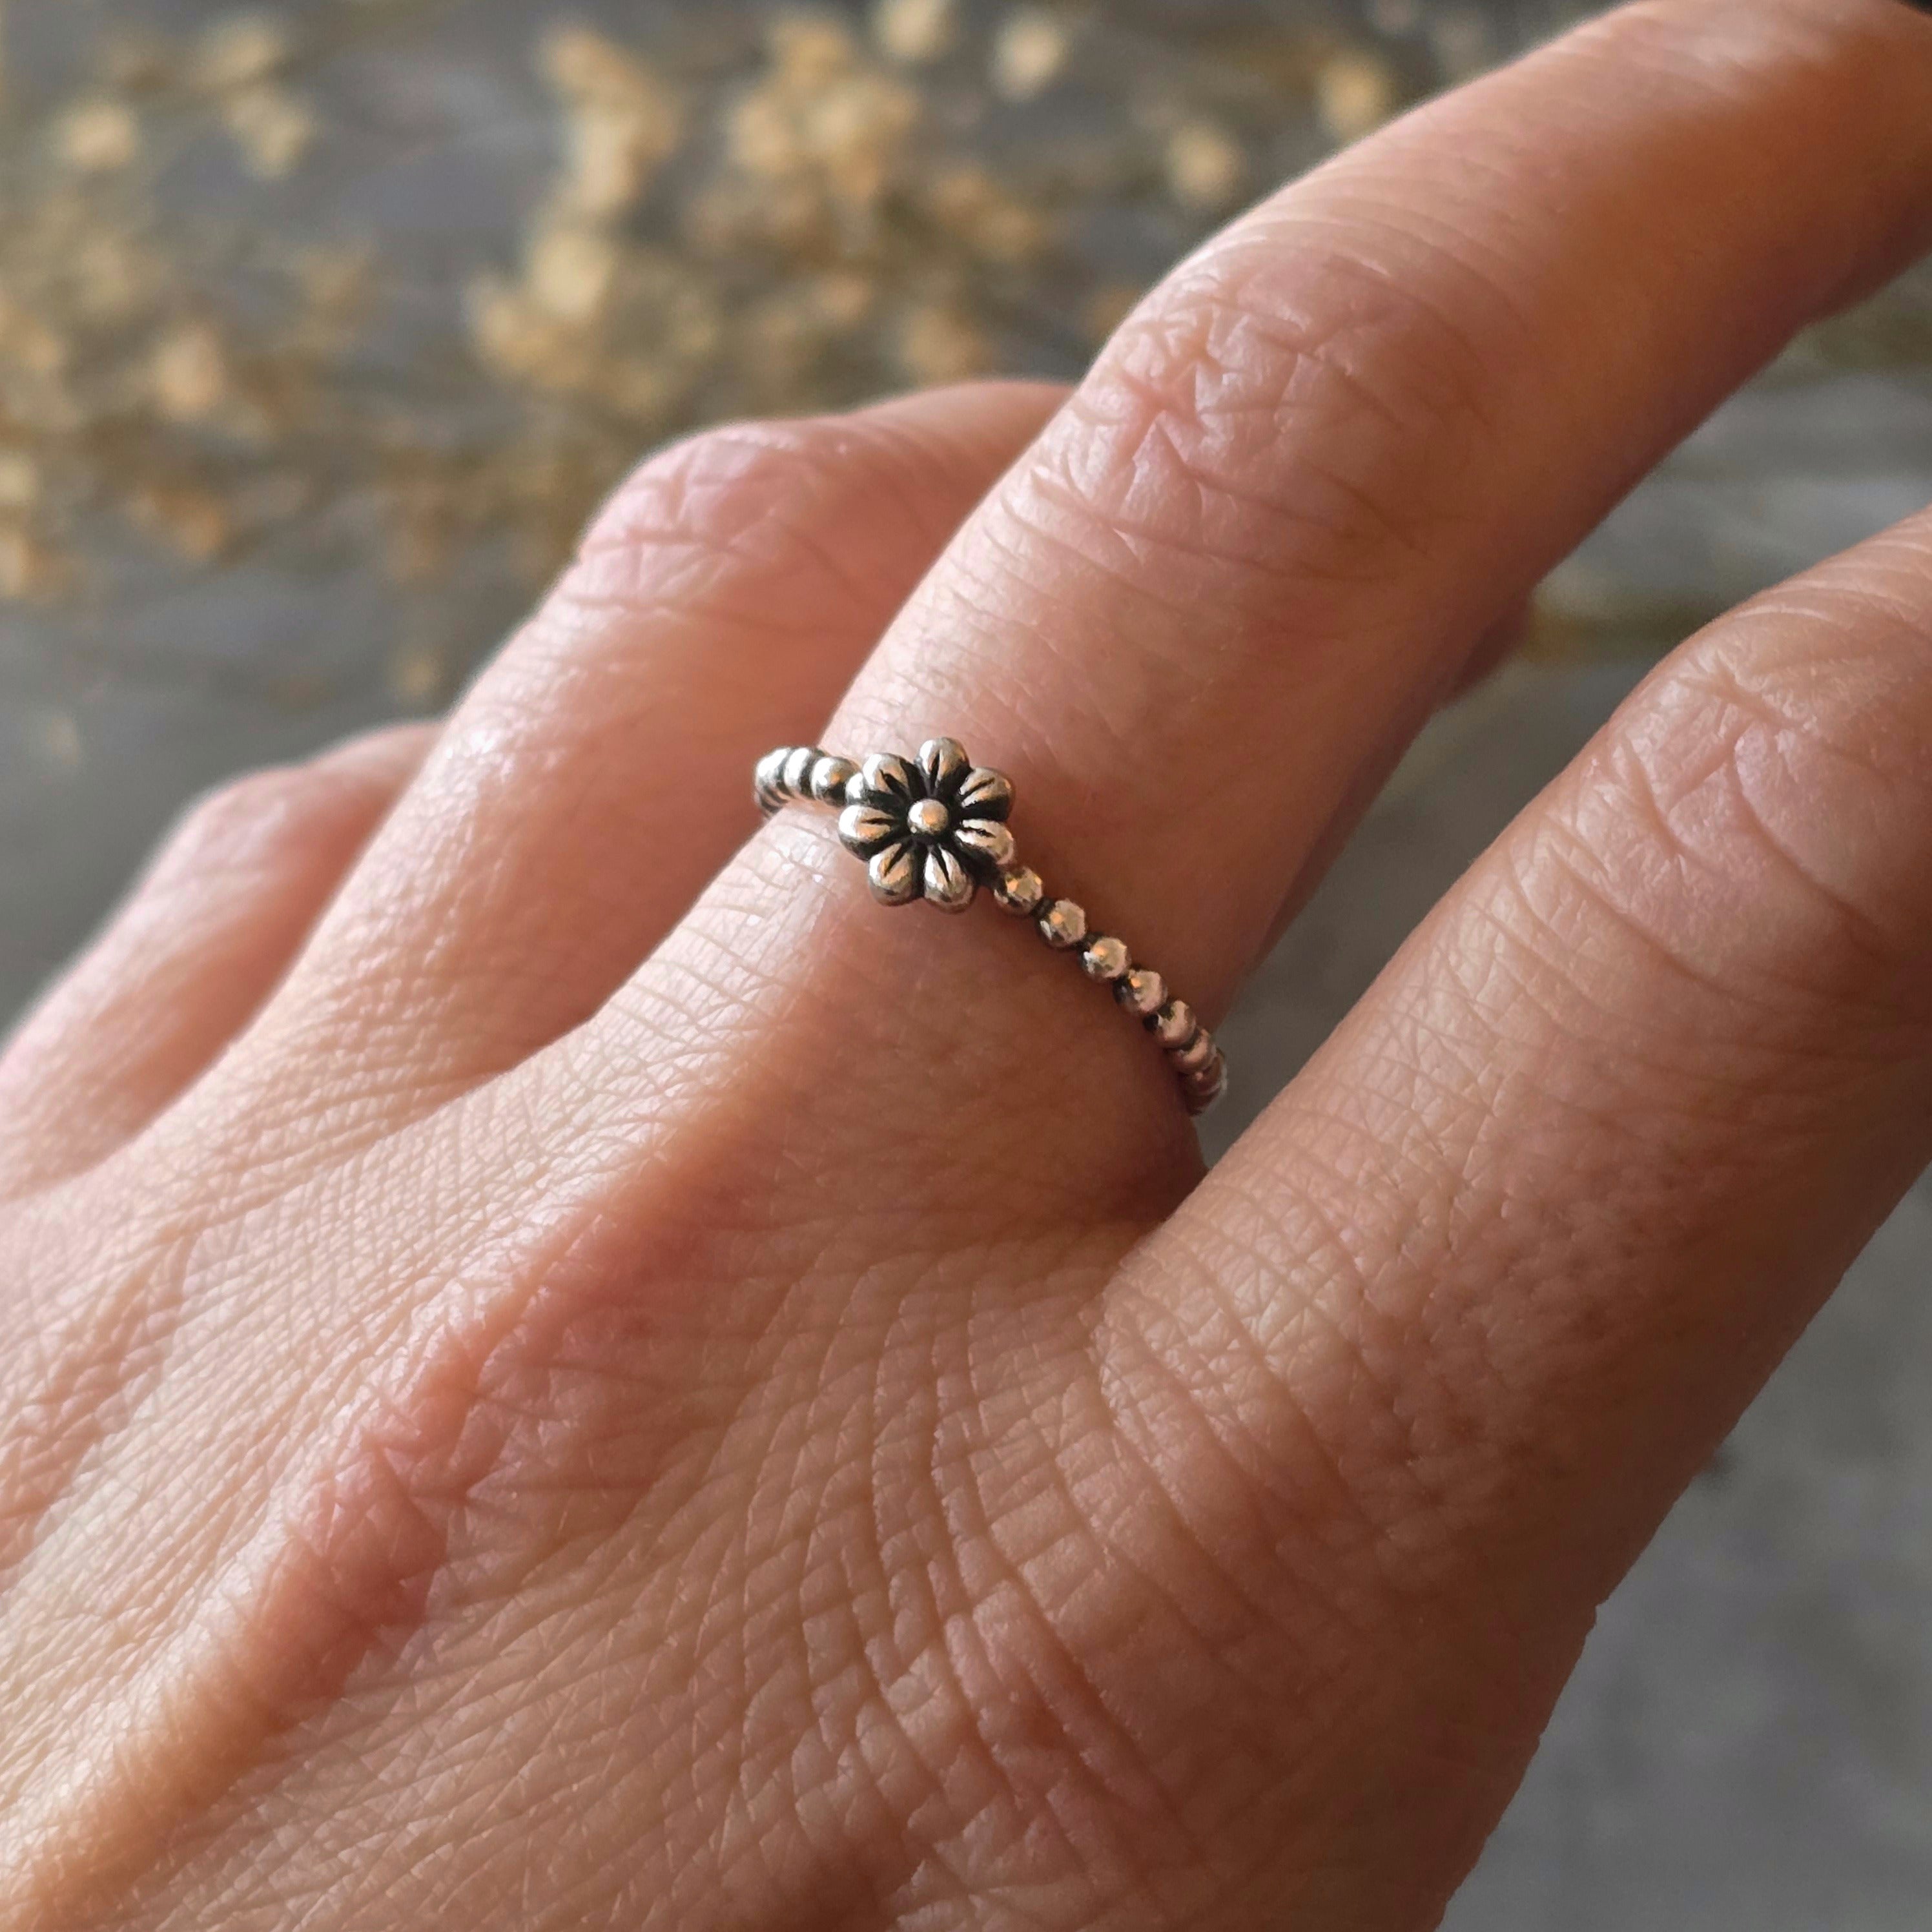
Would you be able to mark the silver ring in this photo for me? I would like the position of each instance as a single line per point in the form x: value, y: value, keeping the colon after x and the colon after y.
x: 934, y: 828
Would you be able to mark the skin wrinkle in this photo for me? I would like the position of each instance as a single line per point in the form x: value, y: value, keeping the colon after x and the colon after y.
x: 1170, y: 430
x: 1042, y: 519
x: 978, y: 1807
x: 978, y: 1533
x: 1358, y: 1596
x: 789, y: 1579
x: 946, y: 1606
x: 1128, y: 551
x: 1033, y: 1596
x: 1037, y: 471
x: 1245, y: 1518
x: 885, y: 983
x: 100, y: 1819
x: 940, y: 1479
x: 1603, y: 1101
x: 1449, y: 240
x: 1752, y: 816
x: 1447, y: 367
x: 1834, y: 599
x: 821, y: 453
x: 1852, y: 946
x: 1562, y: 884
x: 1297, y: 1526
x: 875, y: 981
x: 759, y: 514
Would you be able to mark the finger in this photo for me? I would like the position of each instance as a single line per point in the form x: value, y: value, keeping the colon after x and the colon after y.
x: 198, y: 944
x: 1320, y: 464
x: 597, y: 776
x: 1484, y: 1288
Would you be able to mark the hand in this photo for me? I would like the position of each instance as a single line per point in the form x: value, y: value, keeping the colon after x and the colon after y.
x: 558, y: 1373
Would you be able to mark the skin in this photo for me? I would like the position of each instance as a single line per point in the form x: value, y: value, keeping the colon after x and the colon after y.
x: 559, y: 1368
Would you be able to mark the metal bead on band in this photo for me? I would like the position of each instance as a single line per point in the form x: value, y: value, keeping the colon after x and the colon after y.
x: 934, y: 827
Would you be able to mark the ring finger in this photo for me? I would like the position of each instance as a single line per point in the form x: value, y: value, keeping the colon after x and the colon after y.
x: 1312, y: 472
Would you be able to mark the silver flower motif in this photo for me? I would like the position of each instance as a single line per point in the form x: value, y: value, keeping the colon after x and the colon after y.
x: 934, y: 829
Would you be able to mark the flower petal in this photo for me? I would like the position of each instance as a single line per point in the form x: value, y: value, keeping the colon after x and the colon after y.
x: 864, y: 829
x: 886, y: 781
x: 985, y: 794
x: 893, y: 874
x: 984, y: 843
x: 944, y: 762
x: 948, y: 884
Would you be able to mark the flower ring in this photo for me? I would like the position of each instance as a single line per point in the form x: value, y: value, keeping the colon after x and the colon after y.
x: 935, y: 829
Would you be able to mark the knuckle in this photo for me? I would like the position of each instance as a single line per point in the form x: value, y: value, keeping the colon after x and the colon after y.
x: 1749, y: 816
x: 722, y: 518
x: 719, y: 483
x: 732, y: 505
x: 279, y: 816
x: 1810, y: 713
x: 231, y: 812
x: 1280, y: 405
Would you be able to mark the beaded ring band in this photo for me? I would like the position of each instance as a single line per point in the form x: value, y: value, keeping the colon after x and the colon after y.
x: 934, y: 828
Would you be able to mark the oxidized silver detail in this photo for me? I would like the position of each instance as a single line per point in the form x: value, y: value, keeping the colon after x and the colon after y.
x: 1063, y: 924
x: 1174, y: 1025
x: 798, y: 770
x: 829, y: 778
x: 1143, y: 992
x: 934, y: 828
x: 1195, y: 1055
x: 1019, y: 891
x: 1107, y: 959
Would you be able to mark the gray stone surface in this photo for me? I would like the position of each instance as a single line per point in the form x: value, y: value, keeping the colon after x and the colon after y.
x: 1748, y: 1743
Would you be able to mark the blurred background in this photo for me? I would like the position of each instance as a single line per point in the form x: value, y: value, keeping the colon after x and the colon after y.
x: 323, y: 328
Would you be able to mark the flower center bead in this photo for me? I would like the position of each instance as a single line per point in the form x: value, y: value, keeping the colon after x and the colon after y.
x: 928, y: 817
